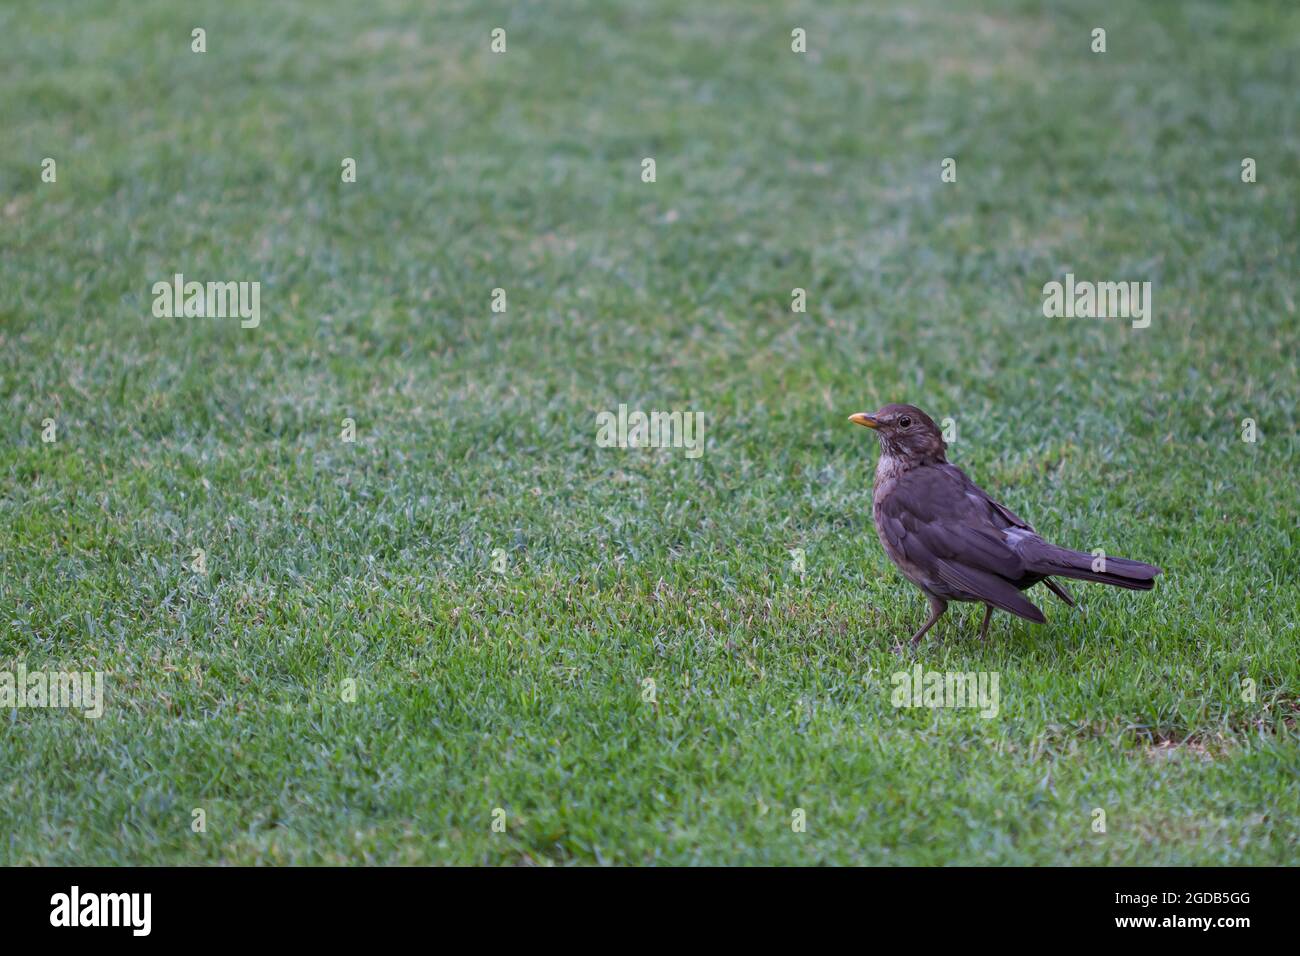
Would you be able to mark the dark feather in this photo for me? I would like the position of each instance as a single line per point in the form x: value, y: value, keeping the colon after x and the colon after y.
x: 1059, y: 590
x: 990, y: 588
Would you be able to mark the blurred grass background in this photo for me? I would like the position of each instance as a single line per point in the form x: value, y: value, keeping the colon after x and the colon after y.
x: 476, y: 430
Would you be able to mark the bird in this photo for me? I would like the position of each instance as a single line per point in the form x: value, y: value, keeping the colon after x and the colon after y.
x: 954, y: 542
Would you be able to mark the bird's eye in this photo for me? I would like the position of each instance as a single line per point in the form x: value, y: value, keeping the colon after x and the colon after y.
x: 904, y: 421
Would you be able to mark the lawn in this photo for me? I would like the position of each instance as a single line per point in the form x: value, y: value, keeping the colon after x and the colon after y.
x: 392, y: 644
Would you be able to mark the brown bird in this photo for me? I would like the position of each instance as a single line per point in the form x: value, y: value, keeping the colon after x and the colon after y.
x: 954, y: 542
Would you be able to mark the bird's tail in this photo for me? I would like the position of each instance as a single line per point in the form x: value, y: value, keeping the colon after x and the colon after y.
x: 1119, y: 572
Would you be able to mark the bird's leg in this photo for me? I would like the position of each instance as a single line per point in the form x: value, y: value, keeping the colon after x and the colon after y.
x: 937, y: 606
x: 988, y: 616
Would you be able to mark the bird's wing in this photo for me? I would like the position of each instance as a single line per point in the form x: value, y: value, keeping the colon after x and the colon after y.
x: 953, y: 535
x: 1001, y: 513
x: 995, y: 590
x: 999, y: 509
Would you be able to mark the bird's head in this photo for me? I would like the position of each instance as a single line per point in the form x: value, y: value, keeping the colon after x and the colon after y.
x: 906, y: 433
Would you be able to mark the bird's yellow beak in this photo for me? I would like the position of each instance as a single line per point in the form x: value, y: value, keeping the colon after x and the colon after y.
x: 862, y: 418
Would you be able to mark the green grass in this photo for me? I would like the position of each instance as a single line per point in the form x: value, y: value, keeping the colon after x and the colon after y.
x: 476, y: 430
